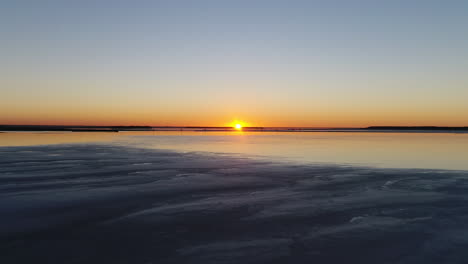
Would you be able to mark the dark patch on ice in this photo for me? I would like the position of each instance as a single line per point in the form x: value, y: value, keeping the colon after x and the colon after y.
x: 110, y: 204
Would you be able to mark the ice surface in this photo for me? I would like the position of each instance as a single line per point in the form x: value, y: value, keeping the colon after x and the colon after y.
x: 90, y: 203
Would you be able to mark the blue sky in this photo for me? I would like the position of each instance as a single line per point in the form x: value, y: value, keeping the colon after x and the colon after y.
x: 271, y: 62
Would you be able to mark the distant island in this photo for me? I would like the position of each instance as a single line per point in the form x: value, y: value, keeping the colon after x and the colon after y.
x: 214, y: 129
x: 418, y: 128
x: 73, y: 128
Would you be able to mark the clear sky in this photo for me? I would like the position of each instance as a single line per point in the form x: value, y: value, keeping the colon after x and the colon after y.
x: 271, y: 63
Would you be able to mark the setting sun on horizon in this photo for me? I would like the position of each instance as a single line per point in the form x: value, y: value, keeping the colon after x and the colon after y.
x: 246, y: 131
x: 238, y: 124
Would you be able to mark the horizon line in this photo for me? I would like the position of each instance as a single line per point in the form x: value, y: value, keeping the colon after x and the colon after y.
x: 229, y: 127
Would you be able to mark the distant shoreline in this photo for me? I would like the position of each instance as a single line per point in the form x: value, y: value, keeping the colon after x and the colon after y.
x: 37, y: 128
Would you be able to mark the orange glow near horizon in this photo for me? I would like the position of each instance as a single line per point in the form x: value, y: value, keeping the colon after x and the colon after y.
x: 145, y: 119
x: 238, y: 124
x: 149, y: 116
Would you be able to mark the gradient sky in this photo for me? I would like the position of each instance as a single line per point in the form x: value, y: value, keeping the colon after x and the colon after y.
x: 270, y: 63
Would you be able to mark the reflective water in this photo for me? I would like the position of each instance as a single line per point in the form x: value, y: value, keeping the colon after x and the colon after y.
x: 393, y: 150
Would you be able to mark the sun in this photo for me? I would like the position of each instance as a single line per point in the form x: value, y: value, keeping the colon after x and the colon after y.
x: 238, y: 125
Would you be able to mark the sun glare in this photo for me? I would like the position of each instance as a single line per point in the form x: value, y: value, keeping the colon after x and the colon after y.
x: 238, y: 125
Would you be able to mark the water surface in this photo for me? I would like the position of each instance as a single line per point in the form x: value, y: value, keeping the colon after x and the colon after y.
x: 233, y: 198
x: 392, y: 150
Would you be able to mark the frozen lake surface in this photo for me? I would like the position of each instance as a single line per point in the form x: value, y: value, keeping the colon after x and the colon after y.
x: 145, y: 198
